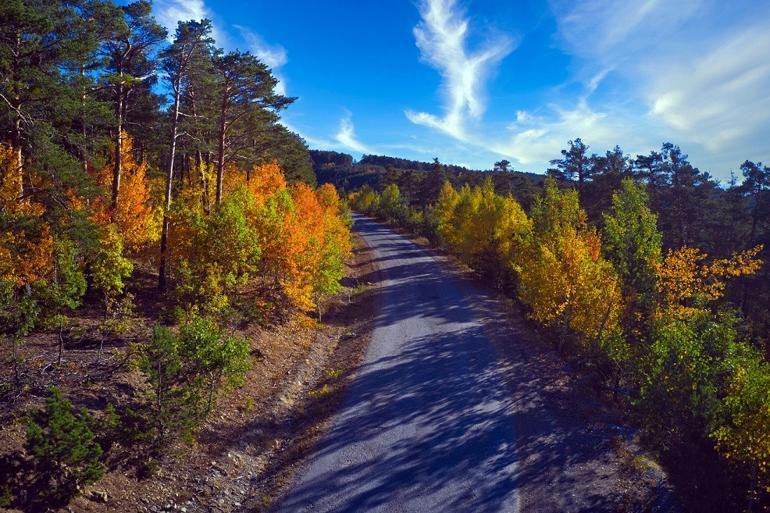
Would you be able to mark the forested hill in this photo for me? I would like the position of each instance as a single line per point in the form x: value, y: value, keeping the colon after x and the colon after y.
x: 160, y: 232
x: 413, y: 176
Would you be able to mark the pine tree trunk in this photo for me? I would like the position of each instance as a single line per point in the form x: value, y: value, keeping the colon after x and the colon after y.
x: 221, y: 156
x: 169, y: 183
x: 207, y: 185
x: 16, y: 135
x: 19, y: 155
x: 118, y: 167
x: 83, y: 152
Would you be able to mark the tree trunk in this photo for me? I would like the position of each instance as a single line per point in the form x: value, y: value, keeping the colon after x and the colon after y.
x: 16, y: 135
x: 83, y: 151
x: 169, y: 182
x: 18, y: 154
x: 221, y: 155
x: 118, y: 167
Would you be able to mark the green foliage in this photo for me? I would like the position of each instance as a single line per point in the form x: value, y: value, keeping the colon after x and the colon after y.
x: 330, y: 271
x: 392, y: 206
x: 684, y: 374
x: 632, y: 241
x: 110, y: 268
x: 65, y: 292
x: 187, y: 370
x: 742, y: 426
x: 556, y: 211
x: 225, y: 254
x: 19, y: 310
x: 63, y: 448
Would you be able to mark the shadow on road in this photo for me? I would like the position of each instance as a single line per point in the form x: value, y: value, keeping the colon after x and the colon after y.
x: 443, y: 421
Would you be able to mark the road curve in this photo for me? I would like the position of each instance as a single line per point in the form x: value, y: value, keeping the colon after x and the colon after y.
x: 431, y: 423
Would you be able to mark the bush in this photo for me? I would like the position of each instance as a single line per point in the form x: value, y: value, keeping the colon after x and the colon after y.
x: 186, y: 371
x: 63, y: 448
x: 223, y: 253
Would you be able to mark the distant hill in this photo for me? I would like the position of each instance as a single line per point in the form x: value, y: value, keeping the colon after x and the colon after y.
x: 376, y: 171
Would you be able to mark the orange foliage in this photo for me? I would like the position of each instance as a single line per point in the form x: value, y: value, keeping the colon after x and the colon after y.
x: 304, y: 230
x: 301, y: 235
x: 135, y: 218
x: 262, y: 181
x: 26, y: 248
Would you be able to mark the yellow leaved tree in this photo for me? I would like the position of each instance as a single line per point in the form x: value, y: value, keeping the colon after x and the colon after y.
x: 686, y: 282
x: 562, y: 276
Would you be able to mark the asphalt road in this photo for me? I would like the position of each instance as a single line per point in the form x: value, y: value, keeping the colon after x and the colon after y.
x: 432, y: 422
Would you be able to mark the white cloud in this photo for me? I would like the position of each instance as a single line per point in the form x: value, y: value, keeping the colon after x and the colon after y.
x: 170, y: 12
x: 536, y: 139
x: 346, y: 136
x: 441, y: 37
x: 274, y: 56
x: 701, y: 68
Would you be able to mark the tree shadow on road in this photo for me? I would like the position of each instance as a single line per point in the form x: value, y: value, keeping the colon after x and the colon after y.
x: 449, y: 422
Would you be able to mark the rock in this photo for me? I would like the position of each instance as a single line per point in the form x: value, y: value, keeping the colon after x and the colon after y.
x: 99, y: 496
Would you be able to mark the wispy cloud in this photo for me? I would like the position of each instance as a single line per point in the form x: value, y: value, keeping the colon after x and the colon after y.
x: 537, y: 138
x: 170, y: 12
x: 701, y: 70
x: 441, y: 37
x: 274, y: 55
x: 346, y: 136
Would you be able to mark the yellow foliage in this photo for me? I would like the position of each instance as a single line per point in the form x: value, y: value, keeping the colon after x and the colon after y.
x: 684, y: 280
x: 562, y: 276
x: 565, y: 281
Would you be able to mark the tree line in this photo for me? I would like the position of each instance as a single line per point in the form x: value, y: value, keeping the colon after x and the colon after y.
x: 650, y: 274
x: 126, y: 154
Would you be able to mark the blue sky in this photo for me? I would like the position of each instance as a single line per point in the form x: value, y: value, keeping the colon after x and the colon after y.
x: 472, y: 82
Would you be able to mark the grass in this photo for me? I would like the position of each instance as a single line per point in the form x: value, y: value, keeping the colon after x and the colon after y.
x: 321, y: 392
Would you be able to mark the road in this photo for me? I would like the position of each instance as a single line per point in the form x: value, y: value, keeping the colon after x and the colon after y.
x: 436, y: 420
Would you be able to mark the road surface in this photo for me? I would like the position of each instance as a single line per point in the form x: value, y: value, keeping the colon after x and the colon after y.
x: 436, y: 420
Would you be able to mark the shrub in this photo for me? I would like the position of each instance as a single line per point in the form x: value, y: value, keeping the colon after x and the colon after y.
x: 63, y: 448
x: 187, y: 370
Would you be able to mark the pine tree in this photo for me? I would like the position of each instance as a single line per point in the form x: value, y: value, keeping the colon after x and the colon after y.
x: 246, y: 101
x: 63, y: 448
x: 192, y: 47
x: 129, y: 49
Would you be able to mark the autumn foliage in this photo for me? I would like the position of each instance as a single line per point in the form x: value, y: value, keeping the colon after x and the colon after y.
x: 285, y: 238
x: 135, y: 216
x: 26, y: 244
x: 655, y: 326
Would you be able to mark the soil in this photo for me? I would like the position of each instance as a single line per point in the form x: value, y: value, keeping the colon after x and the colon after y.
x: 249, y: 444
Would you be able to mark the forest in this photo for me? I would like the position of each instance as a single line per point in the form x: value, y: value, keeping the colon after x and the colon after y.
x: 151, y: 202
x: 645, y: 271
x: 155, y: 213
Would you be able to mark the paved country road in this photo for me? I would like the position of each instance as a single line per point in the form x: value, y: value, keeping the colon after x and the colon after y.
x: 437, y: 420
